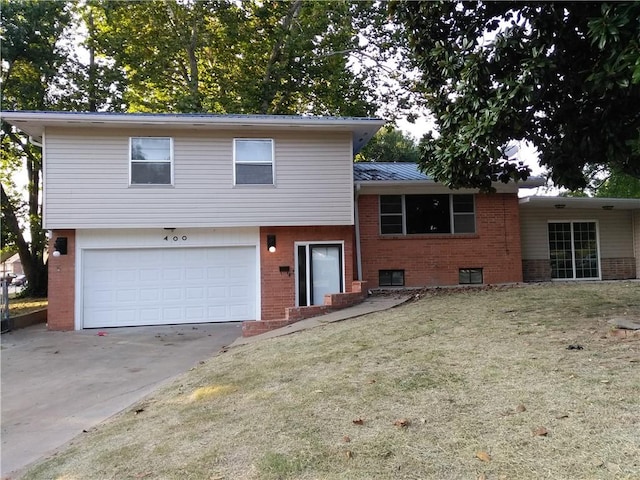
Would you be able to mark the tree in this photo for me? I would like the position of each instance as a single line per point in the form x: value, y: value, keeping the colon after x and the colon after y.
x: 269, y: 57
x: 390, y: 145
x: 32, y: 58
x: 619, y: 185
x: 565, y: 76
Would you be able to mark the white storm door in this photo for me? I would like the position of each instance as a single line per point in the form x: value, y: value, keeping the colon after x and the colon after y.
x: 320, y: 271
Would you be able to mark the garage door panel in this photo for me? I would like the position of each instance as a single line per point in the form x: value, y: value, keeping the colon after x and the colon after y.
x: 168, y: 286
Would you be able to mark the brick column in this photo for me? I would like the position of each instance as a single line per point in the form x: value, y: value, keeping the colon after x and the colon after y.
x: 62, y: 271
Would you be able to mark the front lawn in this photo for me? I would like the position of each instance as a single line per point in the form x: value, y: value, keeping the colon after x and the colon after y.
x: 21, y: 306
x: 525, y: 382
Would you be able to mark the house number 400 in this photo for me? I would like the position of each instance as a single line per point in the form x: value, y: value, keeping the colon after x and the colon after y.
x: 175, y: 238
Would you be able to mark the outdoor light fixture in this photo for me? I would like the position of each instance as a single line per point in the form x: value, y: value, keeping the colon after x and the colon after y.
x: 60, y: 246
x: 271, y: 243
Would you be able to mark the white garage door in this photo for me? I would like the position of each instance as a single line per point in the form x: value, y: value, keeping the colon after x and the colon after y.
x: 167, y: 286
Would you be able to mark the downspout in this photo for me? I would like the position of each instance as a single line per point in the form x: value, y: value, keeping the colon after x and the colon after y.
x: 33, y: 141
x: 357, y: 222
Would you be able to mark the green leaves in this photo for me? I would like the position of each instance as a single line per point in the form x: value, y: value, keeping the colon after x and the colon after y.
x: 563, y: 76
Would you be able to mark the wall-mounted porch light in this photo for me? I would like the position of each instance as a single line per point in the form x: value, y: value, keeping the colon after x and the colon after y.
x: 271, y: 243
x: 60, y: 246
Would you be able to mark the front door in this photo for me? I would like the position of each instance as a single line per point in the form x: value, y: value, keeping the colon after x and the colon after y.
x: 319, y: 272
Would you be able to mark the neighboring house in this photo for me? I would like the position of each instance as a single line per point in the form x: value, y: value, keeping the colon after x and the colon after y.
x: 11, y: 264
x: 160, y: 218
x: 165, y: 219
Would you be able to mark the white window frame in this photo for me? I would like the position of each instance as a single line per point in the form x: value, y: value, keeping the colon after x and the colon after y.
x: 132, y: 160
x: 254, y: 162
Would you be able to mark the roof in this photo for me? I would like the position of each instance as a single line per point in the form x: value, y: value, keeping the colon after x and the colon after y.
x: 404, y: 172
x: 387, y: 172
x: 581, y: 203
x: 34, y: 122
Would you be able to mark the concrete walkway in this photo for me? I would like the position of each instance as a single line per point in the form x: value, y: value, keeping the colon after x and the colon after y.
x: 374, y: 303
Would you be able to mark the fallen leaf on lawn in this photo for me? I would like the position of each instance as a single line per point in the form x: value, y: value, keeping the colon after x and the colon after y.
x: 540, y: 432
x: 402, y: 422
x: 482, y: 476
x: 139, y: 410
x: 484, y: 456
x: 142, y: 474
x: 346, y: 439
x: 562, y: 416
x: 318, y: 391
x: 521, y: 408
x: 358, y: 421
x: 372, y: 381
x: 349, y: 454
x: 102, y: 334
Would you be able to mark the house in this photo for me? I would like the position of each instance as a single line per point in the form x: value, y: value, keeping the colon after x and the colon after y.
x: 414, y: 232
x: 11, y: 264
x: 165, y: 219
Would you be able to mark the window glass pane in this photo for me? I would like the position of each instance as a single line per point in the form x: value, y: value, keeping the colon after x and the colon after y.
x: 391, y: 224
x: 586, y: 249
x: 470, y: 276
x: 427, y: 214
x: 254, y: 174
x: 391, y: 204
x: 391, y: 278
x: 151, y: 149
x: 560, y: 250
x: 397, y: 278
x: 464, y: 223
x: 463, y: 203
x: 158, y: 173
x: 254, y: 151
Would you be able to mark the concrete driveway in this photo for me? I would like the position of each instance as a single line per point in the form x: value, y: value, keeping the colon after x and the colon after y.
x: 56, y: 384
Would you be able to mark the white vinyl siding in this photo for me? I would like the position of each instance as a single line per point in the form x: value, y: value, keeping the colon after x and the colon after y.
x: 87, y: 181
x: 614, y: 230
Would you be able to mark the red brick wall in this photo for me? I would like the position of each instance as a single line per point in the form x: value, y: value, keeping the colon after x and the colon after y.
x: 536, y: 270
x: 278, y: 289
x: 618, y: 268
x: 435, y: 259
x: 62, y: 270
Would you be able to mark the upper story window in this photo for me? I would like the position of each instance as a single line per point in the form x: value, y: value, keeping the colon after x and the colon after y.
x: 253, y: 161
x: 424, y: 214
x: 151, y: 160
